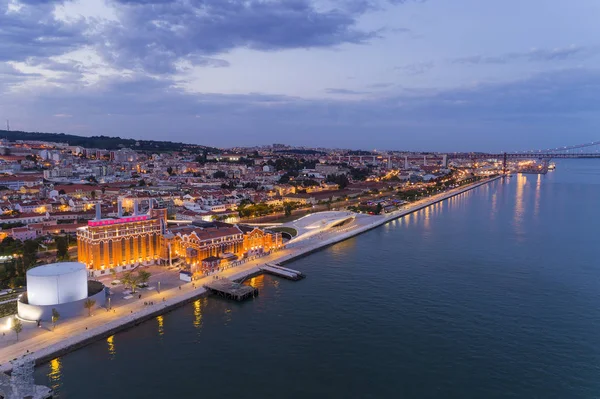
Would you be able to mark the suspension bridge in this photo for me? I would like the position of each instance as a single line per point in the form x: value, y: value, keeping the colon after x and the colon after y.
x: 588, y: 150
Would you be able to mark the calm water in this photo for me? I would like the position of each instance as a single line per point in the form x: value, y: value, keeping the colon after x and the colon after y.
x: 492, y: 294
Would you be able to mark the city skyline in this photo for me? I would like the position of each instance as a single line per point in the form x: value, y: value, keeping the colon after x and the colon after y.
x: 416, y: 75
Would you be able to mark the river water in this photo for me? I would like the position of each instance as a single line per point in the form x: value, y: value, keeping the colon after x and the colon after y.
x: 492, y: 294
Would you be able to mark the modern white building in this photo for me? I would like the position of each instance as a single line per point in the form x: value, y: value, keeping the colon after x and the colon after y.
x: 62, y: 286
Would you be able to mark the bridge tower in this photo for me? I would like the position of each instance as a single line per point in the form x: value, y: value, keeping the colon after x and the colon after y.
x: 504, y: 165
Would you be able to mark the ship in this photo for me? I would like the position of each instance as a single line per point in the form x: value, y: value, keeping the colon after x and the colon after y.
x: 534, y: 168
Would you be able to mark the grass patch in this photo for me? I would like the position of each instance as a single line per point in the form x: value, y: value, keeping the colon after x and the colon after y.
x: 8, y: 309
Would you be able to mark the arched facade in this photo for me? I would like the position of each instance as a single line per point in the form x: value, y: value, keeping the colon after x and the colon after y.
x: 196, y: 244
x: 106, y: 244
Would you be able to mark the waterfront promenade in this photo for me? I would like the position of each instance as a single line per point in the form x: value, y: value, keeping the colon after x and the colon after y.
x: 43, y: 345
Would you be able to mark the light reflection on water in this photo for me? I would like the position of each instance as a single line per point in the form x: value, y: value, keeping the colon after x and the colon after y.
x: 538, y: 186
x: 257, y: 281
x: 54, y: 374
x: 161, y: 322
x: 111, y: 346
x: 197, y: 314
x: 519, y: 205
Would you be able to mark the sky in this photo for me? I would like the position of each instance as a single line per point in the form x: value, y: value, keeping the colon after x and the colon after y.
x: 422, y: 75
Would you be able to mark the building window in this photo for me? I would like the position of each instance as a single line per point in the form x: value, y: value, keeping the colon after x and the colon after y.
x: 101, y: 251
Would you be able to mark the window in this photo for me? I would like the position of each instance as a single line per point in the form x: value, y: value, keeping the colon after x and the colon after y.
x: 101, y: 250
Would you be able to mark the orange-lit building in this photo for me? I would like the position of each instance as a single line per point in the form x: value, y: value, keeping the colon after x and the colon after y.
x: 125, y: 240
x: 144, y: 239
x: 205, y: 248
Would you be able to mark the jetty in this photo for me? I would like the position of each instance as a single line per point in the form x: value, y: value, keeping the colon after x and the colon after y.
x: 230, y: 289
x: 281, y: 271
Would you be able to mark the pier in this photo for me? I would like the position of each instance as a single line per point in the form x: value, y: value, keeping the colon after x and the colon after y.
x: 231, y: 290
x: 281, y: 271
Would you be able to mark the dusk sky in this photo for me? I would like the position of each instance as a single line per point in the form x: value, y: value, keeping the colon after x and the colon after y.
x: 441, y: 75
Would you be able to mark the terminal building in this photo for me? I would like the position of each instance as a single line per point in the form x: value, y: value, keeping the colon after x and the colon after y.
x: 143, y: 239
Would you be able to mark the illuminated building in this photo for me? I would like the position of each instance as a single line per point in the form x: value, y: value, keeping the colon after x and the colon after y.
x: 205, y: 248
x: 143, y: 238
x: 125, y: 240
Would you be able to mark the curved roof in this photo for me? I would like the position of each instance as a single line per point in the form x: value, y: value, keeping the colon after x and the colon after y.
x: 55, y: 269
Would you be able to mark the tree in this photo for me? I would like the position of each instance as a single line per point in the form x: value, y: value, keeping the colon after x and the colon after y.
x: 143, y: 277
x: 340, y: 180
x: 129, y: 280
x: 170, y: 171
x: 55, y: 317
x: 62, y: 248
x: 89, y: 304
x: 219, y: 174
x: 142, y: 183
x: 30, y: 248
x: 16, y: 326
x: 378, y: 209
x: 93, y: 194
x: 287, y: 209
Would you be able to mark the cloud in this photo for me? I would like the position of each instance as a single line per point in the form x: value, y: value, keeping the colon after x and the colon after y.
x: 154, y: 35
x: 10, y: 76
x: 159, y: 36
x: 533, y: 55
x: 381, y: 85
x: 418, y: 68
x: 344, y: 91
x: 525, y: 112
x: 32, y: 31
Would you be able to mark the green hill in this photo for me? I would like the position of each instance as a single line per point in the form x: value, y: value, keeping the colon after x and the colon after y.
x: 104, y: 142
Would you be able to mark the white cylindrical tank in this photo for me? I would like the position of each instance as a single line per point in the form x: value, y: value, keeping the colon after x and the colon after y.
x: 57, y: 283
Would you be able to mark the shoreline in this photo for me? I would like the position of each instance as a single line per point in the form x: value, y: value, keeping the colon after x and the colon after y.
x: 50, y: 350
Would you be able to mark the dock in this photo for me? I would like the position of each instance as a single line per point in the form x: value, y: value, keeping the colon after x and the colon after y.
x: 281, y: 271
x: 231, y: 290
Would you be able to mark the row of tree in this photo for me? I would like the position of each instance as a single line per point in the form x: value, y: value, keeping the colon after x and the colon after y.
x: 25, y: 256
x: 17, y: 326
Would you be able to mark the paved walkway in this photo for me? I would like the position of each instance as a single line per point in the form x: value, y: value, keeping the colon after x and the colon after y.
x: 43, y: 342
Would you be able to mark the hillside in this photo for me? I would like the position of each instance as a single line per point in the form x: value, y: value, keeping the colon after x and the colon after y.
x: 104, y: 142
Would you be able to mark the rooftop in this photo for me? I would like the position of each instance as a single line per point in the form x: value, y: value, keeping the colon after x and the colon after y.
x: 56, y: 269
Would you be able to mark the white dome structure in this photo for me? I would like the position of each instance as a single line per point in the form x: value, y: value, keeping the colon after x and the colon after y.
x: 57, y: 283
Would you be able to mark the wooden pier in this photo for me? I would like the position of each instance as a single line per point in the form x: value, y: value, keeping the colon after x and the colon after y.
x: 281, y: 271
x: 231, y: 290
